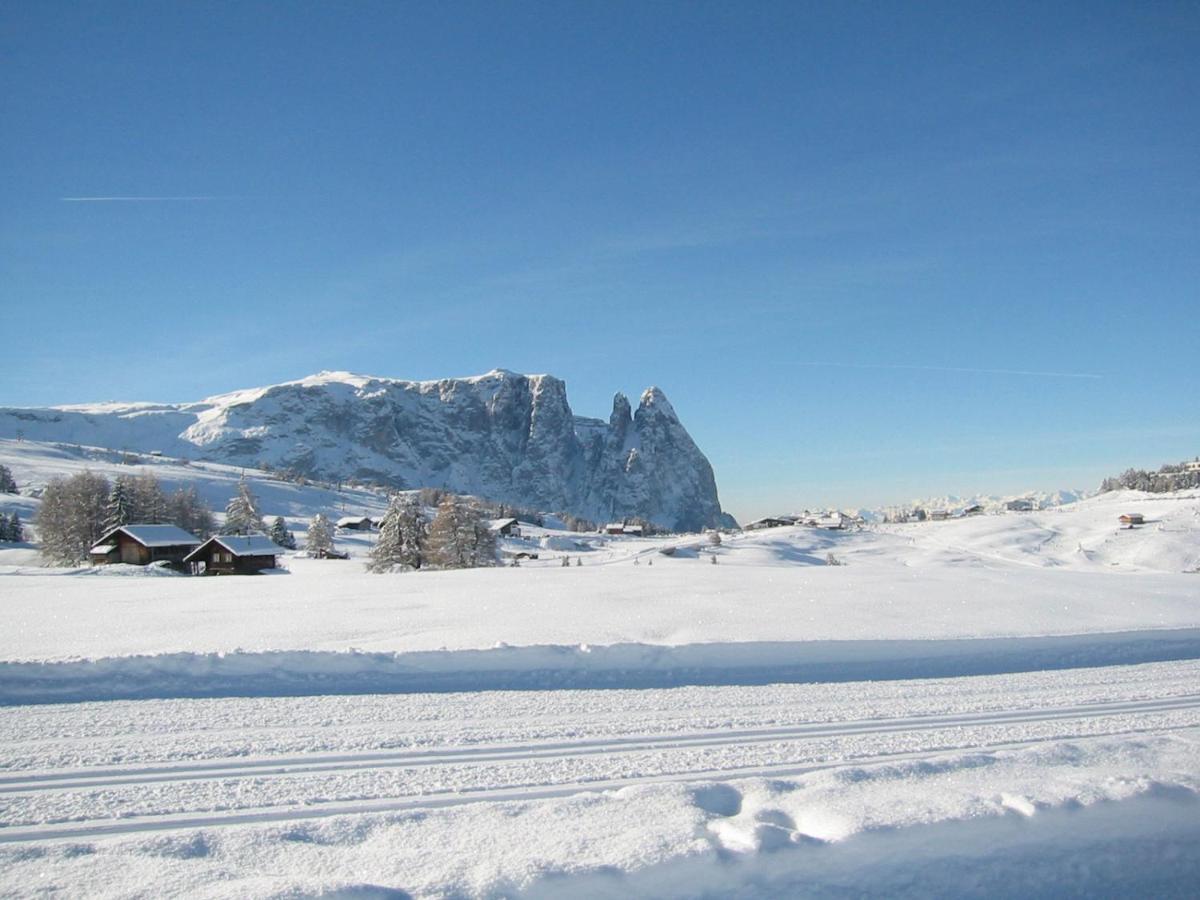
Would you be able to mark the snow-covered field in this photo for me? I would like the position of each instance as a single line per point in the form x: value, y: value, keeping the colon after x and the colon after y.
x: 1040, y: 784
x: 1001, y: 705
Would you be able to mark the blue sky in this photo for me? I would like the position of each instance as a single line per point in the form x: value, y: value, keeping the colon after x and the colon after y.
x: 830, y: 232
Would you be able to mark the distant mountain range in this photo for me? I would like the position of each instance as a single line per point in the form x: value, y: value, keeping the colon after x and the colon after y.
x: 504, y: 436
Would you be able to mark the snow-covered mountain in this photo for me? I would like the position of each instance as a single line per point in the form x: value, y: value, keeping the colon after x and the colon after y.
x: 503, y: 436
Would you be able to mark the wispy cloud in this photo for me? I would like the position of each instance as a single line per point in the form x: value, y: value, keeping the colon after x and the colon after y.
x: 133, y: 199
x: 971, y: 370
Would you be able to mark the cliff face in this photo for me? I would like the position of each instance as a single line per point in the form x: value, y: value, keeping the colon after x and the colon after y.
x: 503, y: 436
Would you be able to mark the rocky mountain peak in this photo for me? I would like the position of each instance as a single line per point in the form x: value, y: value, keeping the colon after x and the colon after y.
x: 504, y: 436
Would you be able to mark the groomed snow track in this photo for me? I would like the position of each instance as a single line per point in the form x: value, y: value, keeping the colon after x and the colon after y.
x: 936, y: 734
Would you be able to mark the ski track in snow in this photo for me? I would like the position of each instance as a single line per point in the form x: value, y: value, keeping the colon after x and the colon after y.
x: 74, y: 802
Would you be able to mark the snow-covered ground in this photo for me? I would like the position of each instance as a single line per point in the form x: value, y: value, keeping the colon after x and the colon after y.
x: 1043, y: 784
x: 1000, y: 705
x: 987, y: 594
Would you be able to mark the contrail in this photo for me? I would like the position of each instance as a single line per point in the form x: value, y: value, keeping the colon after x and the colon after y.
x: 1022, y: 372
x: 128, y: 199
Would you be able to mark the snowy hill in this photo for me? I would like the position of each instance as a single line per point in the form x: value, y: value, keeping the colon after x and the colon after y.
x: 504, y: 436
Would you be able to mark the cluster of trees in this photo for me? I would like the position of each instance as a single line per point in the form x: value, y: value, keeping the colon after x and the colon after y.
x: 458, y: 537
x: 8, y: 484
x: 578, y: 523
x: 11, y: 528
x: 77, y: 511
x: 1170, y: 477
x: 141, y: 499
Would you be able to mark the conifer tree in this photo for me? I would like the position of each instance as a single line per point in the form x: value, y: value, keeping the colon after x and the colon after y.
x: 319, y: 540
x: 119, y: 508
x: 242, y: 515
x: 8, y: 484
x: 280, y: 535
x: 402, y: 534
x: 16, y: 531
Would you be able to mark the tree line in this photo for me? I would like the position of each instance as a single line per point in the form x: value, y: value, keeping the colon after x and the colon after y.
x: 1169, y: 477
x: 77, y: 511
x: 457, y: 537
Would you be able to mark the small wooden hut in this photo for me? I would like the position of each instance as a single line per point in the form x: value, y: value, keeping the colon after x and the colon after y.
x: 229, y: 554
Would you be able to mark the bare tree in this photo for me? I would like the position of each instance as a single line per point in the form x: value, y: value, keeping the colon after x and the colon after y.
x: 71, y: 517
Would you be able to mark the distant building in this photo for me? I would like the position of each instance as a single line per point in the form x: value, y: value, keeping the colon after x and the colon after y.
x: 1131, y: 519
x: 1019, y: 505
x: 975, y: 509
x: 939, y: 515
x: 140, y: 545
x: 614, y: 528
x: 769, y: 522
x: 1193, y: 466
x: 228, y: 554
x: 505, y: 527
x: 356, y: 523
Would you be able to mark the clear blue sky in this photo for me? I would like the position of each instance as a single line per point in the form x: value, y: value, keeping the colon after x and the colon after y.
x: 752, y: 205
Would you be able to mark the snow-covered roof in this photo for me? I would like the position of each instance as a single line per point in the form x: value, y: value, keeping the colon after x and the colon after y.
x: 240, y: 545
x: 151, y: 536
x: 497, y: 524
x: 353, y: 520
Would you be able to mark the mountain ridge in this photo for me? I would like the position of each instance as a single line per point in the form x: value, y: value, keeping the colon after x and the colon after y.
x: 502, y: 435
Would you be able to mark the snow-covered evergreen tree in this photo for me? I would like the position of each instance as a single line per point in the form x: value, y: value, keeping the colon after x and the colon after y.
x: 242, y: 515
x: 16, y: 530
x: 319, y: 540
x: 402, y: 534
x: 5, y: 532
x: 119, y: 509
x: 280, y: 535
x: 8, y: 484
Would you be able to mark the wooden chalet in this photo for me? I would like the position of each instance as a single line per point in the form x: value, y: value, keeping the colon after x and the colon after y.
x: 1021, y: 504
x: 230, y: 554
x: 505, y: 528
x: 140, y: 545
x: 939, y: 515
x: 356, y: 523
x: 614, y: 528
x: 1131, y: 519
